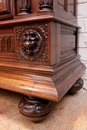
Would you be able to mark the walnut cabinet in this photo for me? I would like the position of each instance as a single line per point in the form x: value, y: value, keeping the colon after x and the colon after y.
x: 38, y: 52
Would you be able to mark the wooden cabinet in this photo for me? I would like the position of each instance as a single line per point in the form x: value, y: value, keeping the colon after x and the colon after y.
x: 38, y: 52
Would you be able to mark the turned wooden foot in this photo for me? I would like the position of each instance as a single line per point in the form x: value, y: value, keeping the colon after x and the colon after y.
x: 76, y: 87
x: 35, y: 108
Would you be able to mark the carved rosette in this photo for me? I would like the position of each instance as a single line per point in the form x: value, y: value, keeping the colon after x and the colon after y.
x: 32, y: 42
x: 35, y: 108
x: 46, y: 5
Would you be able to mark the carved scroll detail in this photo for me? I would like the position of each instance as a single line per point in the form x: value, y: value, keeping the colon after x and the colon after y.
x: 46, y: 5
x: 32, y: 42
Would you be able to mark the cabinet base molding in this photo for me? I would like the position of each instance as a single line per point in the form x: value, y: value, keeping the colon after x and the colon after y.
x: 37, y: 109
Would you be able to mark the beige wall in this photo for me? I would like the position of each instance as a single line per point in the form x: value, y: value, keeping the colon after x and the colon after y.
x: 82, y: 22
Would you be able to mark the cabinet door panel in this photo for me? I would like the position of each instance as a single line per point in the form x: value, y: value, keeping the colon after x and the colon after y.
x: 5, y: 9
x: 61, y: 2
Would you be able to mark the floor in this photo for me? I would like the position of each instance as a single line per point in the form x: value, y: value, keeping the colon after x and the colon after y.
x: 69, y: 114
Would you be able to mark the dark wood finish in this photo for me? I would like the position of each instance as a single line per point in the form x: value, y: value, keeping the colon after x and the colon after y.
x: 38, y: 48
x: 6, y: 9
x: 46, y: 5
x: 76, y: 87
x: 22, y: 7
x: 35, y: 109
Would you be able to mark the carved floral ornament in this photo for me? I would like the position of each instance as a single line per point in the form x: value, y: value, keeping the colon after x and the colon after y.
x: 32, y: 43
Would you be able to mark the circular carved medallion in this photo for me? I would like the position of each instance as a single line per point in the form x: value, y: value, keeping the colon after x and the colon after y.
x: 31, y: 43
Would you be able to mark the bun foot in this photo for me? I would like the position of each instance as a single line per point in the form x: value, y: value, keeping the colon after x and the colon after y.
x: 35, y: 108
x: 76, y: 87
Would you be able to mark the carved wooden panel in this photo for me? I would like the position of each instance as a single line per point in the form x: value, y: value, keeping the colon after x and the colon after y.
x: 4, y: 6
x: 32, y: 42
x: 7, y: 44
x: 7, y: 50
x: 6, y: 9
